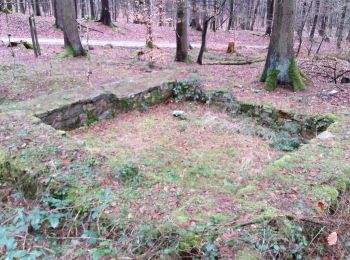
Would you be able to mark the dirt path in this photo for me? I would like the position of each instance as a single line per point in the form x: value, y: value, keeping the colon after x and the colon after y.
x: 131, y: 44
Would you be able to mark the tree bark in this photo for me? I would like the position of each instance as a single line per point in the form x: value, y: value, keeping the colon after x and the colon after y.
x: 92, y: 9
x: 195, y: 23
x: 254, y: 15
x: 204, y: 40
x: 58, y: 14
x: 70, y: 29
x: 324, y: 18
x: 280, y: 55
x: 182, y: 42
x: 105, y: 14
x: 341, y: 24
x: 230, y: 20
x: 314, y: 23
x: 269, y: 17
x: 149, y: 24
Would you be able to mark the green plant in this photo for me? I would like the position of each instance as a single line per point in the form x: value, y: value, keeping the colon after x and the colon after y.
x: 271, y: 79
x: 185, y: 90
x: 296, y: 76
x: 129, y: 174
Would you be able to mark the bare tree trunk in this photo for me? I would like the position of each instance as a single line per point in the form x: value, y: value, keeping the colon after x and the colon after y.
x: 341, y: 24
x: 314, y: 23
x: 182, y: 42
x: 280, y: 65
x: 254, y: 15
x: 230, y: 20
x: 58, y: 14
x: 195, y: 23
x: 92, y: 9
x: 70, y: 29
x: 149, y: 24
x: 324, y: 18
x: 270, y: 9
x: 105, y: 14
x: 204, y: 40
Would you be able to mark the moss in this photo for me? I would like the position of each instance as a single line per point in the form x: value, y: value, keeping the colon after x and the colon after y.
x: 296, y: 76
x: 91, y: 117
x: 126, y: 104
x: 14, y: 172
x: 343, y: 182
x: 263, y: 76
x: 188, y: 59
x: 271, y: 79
x: 155, y: 98
x: 70, y: 52
x: 246, y: 108
x: 326, y: 193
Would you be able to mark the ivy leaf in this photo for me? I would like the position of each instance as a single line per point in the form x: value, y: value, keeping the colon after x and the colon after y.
x: 35, y: 218
x: 54, y: 219
x: 91, y: 236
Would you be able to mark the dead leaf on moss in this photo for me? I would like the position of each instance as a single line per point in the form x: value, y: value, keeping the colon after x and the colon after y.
x: 332, y: 239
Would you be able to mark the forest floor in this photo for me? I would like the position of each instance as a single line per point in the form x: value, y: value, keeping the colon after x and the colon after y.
x: 214, y: 177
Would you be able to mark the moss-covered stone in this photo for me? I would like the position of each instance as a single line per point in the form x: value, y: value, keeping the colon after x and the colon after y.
x: 13, y: 172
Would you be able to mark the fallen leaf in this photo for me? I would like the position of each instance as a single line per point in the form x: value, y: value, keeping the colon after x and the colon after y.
x: 332, y: 239
x: 321, y: 205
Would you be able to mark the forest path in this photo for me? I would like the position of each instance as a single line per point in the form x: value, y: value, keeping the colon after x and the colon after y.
x: 120, y: 43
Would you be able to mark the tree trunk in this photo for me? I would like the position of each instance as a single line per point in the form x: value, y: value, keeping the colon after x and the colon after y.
x: 314, y: 23
x: 92, y: 9
x: 182, y: 42
x: 160, y: 7
x: 58, y: 14
x: 269, y: 18
x: 70, y: 29
x: 22, y: 7
x: 324, y: 18
x: 230, y: 20
x: 204, y: 40
x: 341, y: 24
x: 254, y: 15
x: 105, y: 14
x: 280, y: 65
x: 149, y: 24
x: 195, y: 23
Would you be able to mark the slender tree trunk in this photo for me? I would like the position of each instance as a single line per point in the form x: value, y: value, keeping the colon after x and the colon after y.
x: 314, y: 23
x: 92, y: 9
x: 269, y: 18
x: 230, y: 20
x: 341, y: 24
x: 149, y: 24
x: 58, y: 14
x: 254, y: 15
x: 195, y: 23
x: 204, y: 40
x: 214, y: 20
x: 324, y: 18
x: 22, y: 7
x: 105, y: 14
x: 70, y: 28
x: 280, y: 65
x: 182, y: 42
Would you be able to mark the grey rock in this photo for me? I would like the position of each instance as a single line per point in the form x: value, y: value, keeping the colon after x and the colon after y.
x: 326, y: 135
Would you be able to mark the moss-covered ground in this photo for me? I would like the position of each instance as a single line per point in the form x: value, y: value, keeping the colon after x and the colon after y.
x: 150, y: 185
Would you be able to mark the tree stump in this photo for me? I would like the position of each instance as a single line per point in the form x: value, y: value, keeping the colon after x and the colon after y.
x: 231, y: 47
